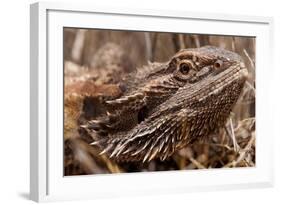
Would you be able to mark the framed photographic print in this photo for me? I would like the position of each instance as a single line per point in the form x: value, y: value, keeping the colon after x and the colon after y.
x: 128, y: 101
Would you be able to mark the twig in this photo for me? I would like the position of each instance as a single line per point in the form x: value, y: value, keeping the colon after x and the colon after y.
x: 148, y: 46
x: 231, y: 135
x: 251, y: 119
x: 86, y: 161
x: 153, y: 48
x: 111, y: 165
x: 249, y: 58
x: 181, y: 41
x: 251, y: 87
x: 233, y: 44
x: 78, y: 45
x: 220, y: 145
x: 196, y: 163
x: 235, y: 145
x: 242, y: 154
x: 175, y: 40
x: 197, y: 41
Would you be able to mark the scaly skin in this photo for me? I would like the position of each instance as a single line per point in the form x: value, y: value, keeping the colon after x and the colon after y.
x: 168, y: 106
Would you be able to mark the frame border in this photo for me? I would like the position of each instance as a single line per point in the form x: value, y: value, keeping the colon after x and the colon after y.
x: 39, y: 75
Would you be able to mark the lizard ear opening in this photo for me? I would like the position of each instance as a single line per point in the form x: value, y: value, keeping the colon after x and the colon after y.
x: 142, y: 114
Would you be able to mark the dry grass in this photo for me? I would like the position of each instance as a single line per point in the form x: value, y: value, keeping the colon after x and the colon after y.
x: 95, y: 60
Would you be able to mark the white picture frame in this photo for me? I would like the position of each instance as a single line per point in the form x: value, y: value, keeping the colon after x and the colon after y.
x: 47, y: 182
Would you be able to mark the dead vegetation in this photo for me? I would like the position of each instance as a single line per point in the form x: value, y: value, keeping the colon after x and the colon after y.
x: 95, y: 60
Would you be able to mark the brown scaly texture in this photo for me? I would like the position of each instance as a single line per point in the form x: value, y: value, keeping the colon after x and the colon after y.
x: 165, y: 107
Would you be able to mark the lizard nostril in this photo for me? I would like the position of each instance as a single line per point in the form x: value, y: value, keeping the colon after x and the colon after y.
x: 142, y: 114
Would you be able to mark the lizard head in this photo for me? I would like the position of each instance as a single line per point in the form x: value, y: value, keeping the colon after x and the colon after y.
x: 187, y: 67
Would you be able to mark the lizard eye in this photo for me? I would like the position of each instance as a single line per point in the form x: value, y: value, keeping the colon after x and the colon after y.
x: 184, y: 68
x: 218, y: 64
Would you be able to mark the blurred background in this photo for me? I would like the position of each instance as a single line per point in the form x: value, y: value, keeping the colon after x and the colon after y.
x: 94, y: 62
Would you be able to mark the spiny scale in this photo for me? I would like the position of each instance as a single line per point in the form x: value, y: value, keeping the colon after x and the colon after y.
x: 168, y: 106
